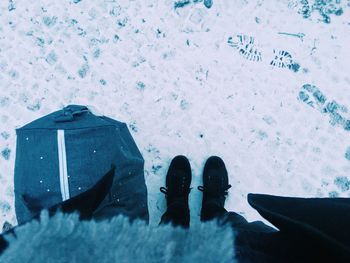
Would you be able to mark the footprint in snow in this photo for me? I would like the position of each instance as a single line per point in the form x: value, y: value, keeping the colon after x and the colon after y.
x: 246, y: 47
x: 282, y: 59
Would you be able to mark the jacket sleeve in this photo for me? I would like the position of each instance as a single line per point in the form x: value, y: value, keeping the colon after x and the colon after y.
x: 317, y: 224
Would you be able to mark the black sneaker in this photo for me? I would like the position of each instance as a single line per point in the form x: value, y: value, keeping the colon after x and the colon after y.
x: 178, y: 181
x: 215, y: 186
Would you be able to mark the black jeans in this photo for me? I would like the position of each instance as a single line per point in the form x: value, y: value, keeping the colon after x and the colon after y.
x: 254, y: 242
x: 178, y: 214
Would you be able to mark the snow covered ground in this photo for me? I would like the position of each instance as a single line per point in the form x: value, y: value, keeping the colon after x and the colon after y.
x: 263, y: 84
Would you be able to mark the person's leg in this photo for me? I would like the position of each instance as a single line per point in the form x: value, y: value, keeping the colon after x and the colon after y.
x: 178, y: 181
x: 177, y: 214
x: 254, y: 242
x: 215, y: 189
x: 215, y: 186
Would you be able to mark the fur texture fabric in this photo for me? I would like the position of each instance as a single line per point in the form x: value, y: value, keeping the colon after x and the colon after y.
x: 63, y: 238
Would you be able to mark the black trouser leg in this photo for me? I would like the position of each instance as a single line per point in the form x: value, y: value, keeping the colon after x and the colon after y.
x: 254, y: 242
x: 212, y: 211
x: 178, y: 214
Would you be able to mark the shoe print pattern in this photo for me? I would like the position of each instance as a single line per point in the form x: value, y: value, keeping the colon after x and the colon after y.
x: 282, y: 59
x: 324, y: 8
x: 246, y: 47
x: 293, y: 4
x: 313, y: 97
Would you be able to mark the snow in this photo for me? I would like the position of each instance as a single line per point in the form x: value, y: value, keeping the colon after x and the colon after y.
x: 207, y: 78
